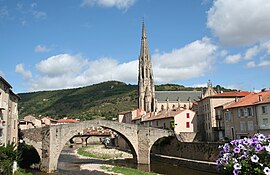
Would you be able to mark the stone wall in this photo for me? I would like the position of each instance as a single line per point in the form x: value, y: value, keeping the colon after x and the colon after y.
x: 204, y: 151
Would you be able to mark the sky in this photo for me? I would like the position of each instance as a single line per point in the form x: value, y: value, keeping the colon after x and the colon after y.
x: 48, y: 45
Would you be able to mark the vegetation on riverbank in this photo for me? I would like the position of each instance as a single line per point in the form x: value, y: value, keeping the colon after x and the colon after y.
x: 85, y: 152
x: 22, y: 172
x: 125, y: 170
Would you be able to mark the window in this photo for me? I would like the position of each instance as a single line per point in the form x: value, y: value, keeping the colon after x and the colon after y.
x: 242, y: 125
x: 240, y: 112
x: 250, y: 126
x: 250, y: 111
x: 187, y: 125
x: 187, y: 115
x: 245, y: 112
x: 264, y: 109
x: 162, y: 107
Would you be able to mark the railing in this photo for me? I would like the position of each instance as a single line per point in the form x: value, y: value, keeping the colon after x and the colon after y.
x: 264, y: 126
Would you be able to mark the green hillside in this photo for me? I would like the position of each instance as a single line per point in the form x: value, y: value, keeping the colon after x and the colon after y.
x: 103, y: 99
x: 99, y: 100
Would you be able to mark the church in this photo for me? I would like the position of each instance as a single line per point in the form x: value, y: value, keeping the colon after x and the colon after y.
x: 160, y: 108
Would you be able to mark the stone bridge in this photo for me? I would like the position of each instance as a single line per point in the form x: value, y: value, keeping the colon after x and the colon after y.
x: 50, y: 140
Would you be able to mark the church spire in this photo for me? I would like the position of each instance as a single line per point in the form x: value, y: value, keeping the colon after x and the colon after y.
x: 146, y: 87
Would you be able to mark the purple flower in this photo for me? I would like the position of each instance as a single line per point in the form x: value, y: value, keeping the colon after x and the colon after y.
x: 259, y: 148
x: 226, y: 148
x: 236, y: 150
x: 235, y: 172
x: 237, y: 166
x: 254, y: 158
x: 261, y: 137
x: 266, y: 171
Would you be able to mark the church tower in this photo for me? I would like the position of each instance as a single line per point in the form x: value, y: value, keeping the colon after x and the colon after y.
x: 146, y: 86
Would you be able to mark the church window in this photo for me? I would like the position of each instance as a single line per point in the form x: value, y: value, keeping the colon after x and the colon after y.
x: 187, y: 125
x: 162, y: 107
x: 173, y: 106
x: 187, y: 115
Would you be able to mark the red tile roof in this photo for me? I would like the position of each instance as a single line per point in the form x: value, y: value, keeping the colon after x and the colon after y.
x: 252, y: 99
x: 232, y: 94
x: 67, y: 121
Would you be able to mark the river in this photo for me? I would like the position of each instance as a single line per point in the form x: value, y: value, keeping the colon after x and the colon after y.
x: 69, y: 164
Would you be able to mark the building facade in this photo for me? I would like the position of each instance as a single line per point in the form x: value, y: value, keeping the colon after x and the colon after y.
x: 8, y: 113
x: 248, y: 116
x: 207, y: 121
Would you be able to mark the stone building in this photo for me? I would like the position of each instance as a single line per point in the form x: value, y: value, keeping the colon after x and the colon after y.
x: 8, y: 113
x: 207, y: 120
x: 248, y: 116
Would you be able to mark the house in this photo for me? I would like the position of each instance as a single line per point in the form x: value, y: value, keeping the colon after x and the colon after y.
x: 207, y: 121
x: 66, y: 121
x: 47, y: 121
x: 8, y: 113
x: 29, y: 122
x: 248, y: 116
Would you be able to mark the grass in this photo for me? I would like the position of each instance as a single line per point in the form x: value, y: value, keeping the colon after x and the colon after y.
x: 125, y: 170
x: 84, y: 152
x: 22, y: 172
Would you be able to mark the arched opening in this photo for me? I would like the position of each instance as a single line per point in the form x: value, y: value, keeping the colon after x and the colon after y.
x: 63, y: 151
x: 27, y: 151
x: 156, y: 147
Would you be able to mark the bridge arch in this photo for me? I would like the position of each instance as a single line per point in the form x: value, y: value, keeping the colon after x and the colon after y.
x: 54, y: 138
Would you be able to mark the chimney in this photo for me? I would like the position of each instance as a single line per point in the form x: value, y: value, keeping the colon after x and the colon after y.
x: 236, y: 99
x: 260, y: 98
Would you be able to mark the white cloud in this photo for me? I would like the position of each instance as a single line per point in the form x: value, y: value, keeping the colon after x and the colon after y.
x: 251, y: 52
x: 240, y: 22
x: 59, y: 65
x: 261, y: 64
x: 39, y: 14
x: 41, y: 48
x: 232, y: 59
x: 264, y: 63
x: 199, y: 85
x: 251, y: 64
x: 191, y: 61
x: 67, y: 71
x: 25, y: 73
x: 120, y: 4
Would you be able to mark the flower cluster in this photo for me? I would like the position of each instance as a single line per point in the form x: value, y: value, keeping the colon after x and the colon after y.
x: 246, y: 156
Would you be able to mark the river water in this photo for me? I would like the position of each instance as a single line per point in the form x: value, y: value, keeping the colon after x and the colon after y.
x: 69, y: 164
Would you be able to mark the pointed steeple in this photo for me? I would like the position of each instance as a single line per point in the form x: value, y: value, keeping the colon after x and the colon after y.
x: 146, y: 87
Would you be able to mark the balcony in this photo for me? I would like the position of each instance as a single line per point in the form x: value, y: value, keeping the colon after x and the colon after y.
x: 218, y: 117
x: 264, y: 126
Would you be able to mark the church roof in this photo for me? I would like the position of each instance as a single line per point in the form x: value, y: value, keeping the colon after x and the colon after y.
x: 184, y: 96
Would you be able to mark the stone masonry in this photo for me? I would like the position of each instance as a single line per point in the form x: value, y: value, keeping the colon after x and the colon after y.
x: 49, y: 141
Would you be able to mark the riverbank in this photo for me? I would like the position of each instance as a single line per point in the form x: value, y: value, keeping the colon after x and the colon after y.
x: 107, y: 155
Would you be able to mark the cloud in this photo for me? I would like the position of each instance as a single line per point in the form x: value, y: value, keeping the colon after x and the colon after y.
x: 59, y: 65
x: 4, y: 12
x: 251, y: 64
x: 251, y: 52
x: 68, y: 71
x: 39, y: 14
x: 240, y: 23
x: 262, y: 64
x: 120, y: 4
x: 41, y: 48
x: 25, y: 73
x: 232, y: 59
x: 193, y: 60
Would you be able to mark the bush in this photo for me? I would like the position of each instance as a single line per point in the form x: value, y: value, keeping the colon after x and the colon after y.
x: 8, y: 154
x: 246, y: 156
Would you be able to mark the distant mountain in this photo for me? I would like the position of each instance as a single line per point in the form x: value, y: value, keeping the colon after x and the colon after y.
x: 99, y: 100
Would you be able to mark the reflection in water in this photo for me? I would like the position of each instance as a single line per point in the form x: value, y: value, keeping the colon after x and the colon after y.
x: 69, y: 164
